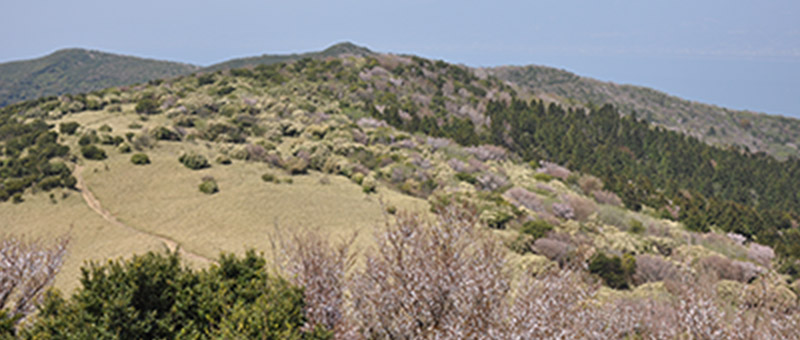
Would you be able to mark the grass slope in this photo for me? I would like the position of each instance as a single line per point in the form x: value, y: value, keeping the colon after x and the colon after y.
x: 776, y: 135
x: 77, y: 71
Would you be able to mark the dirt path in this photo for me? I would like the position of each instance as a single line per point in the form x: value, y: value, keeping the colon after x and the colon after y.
x: 95, y: 205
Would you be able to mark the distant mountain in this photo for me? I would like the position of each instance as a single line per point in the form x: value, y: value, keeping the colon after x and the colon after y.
x: 340, y: 49
x: 77, y: 71
x: 776, y: 135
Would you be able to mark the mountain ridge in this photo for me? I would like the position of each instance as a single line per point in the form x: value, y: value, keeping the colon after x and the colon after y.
x: 776, y: 135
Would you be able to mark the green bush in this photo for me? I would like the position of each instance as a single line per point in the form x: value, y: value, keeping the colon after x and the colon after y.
x: 209, y: 186
x: 466, y: 177
x: 537, y: 228
x: 369, y: 185
x: 105, y: 128
x: 68, y: 128
x: 87, y: 139
x: 148, y: 106
x: 93, y: 152
x: 156, y: 296
x: 70, y: 182
x: 636, y: 226
x: 125, y: 148
x: 194, y: 161
x: 162, y: 133
x: 616, y: 272
x: 269, y: 177
x: 50, y: 182
x: 140, y: 159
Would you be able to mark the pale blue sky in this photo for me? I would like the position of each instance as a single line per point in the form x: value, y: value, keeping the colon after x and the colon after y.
x: 733, y: 53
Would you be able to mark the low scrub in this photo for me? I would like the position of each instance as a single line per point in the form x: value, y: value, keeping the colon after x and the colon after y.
x: 194, y: 161
x: 140, y: 159
x: 209, y: 186
x: 93, y: 152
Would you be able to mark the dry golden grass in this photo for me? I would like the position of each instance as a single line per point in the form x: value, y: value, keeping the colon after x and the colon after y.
x: 92, y: 238
x: 163, y: 199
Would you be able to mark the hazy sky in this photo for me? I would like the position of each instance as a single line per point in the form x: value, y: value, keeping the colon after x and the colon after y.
x: 733, y: 53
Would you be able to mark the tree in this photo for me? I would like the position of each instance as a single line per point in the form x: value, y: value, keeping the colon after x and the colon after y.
x: 27, y: 268
x: 155, y: 296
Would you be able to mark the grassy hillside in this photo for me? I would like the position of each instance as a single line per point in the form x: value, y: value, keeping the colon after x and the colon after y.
x: 78, y: 70
x: 776, y: 135
x: 225, y: 161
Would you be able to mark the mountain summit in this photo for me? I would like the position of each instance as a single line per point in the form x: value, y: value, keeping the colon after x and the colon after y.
x: 78, y: 70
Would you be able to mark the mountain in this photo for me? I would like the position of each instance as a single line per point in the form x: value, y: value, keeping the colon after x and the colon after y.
x: 475, y: 189
x: 72, y: 71
x: 336, y: 50
x: 776, y: 135
x: 78, y: 70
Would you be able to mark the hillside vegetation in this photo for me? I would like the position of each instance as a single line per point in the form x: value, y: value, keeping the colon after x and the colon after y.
x: 479, y: 209
x: 75, y: 71
x: 775, y: 135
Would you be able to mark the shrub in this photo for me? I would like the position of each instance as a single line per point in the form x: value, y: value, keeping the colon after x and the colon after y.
x: 154, y: 296
x: 616, y: 272
x: 87, y: 139
x: 552, y: 249
x: 209, y: 186
x: 537, y: 228
x: 194, y: 161
x: 563, y: 210
x: 554, y: 170
x: 525, y: 198
x: 269, y: 177
x: 27, y: 269
x: 636, y: 226
x: 143, y: 141
x: 391, y: 210
x: 369, y: 185
x: 540, y: 176
x: 761, y: 254
x: 50, y: 182
x: 105, y: 128
x: 357, y: 177
x: 491, y: 181
x: 466, y: 177
x: 93, y: 152
x: 653, y: 268
x: 726, y: 269
x: 140, y: 159
x: 297, y: 166
x: 224, y: 160
x: 68, y: 128
x: 488, y: 152
x: 589, y: 184
x: 607, y: 197
x: 125, y: 148
x: 162, y: 133
x: 148, y: 105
